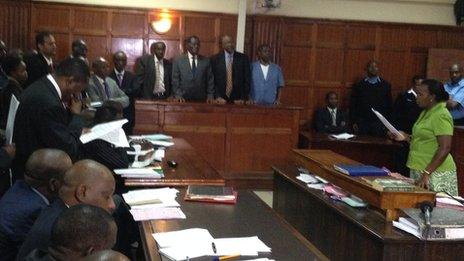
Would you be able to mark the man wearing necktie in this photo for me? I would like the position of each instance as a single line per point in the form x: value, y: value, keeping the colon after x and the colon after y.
x: 127, y: 82
x: 154, y: 73
x: 40, y: 64
x: 102, y: 88
x: 192, y: 77
x: 331, y: 119
x: 231, y: 71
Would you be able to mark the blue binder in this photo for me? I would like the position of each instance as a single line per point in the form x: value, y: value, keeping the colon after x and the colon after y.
x: 360, y: 170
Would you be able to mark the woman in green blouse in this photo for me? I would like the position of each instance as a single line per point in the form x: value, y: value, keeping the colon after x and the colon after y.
x: 429, y: 160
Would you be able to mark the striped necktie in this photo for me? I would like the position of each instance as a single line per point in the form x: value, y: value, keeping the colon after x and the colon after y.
x: 229, y: 84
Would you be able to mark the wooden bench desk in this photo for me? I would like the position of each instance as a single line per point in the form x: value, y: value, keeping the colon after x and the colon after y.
x: 192, y: 169
x: 249, y: 217
x: 344, y: 233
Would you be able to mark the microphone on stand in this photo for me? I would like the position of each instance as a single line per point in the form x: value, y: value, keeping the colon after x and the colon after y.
x: 426, y: 207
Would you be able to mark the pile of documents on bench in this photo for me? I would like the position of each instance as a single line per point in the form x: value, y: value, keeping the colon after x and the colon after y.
x: 150, y: 204
x: 336, y: 193
x: 197, y: 242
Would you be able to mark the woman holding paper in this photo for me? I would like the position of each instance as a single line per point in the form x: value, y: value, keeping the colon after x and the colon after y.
x: 429, y: 159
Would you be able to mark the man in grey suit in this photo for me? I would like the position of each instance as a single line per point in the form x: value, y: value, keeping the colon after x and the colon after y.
x: 192, y: 77
x: 102, y: 88
x: 154, y: 73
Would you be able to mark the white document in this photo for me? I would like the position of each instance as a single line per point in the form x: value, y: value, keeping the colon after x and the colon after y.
x: 111, y: 132
x: 342, y: 136
x: 387, y: 124
x: 408, y: 229
x: 244, y: 246
x: 306, y: 178
x: 162, y: 143
x: 318, y: 186
x: 186, y: 251
x: 137, y: 172
x: 14, y: 104
x: 184, y: 238
x: 152, y: 137
x: 161, y: 193
x: 140, y: 214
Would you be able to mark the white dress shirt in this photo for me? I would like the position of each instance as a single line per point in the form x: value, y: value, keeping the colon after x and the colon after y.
x: 265, y: 69
x: 190, y: 56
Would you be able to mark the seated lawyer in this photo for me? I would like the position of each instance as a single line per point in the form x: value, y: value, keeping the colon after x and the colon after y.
x: 429, y: 160
x: 78, y: 232
x: 86, y: 182
x: 331, y: 119
x: 15, y: 69
x: 455, y: 89
x: 104, y: 152
x: 267, y: 79
x: 106, y: 255
x: 22, y: 203
x: 102, y: 88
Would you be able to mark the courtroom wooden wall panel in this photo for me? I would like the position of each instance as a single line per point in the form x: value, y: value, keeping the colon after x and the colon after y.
x: 315, y: 54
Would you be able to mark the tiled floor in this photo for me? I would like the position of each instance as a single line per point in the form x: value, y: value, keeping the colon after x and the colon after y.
x: 265, y: 196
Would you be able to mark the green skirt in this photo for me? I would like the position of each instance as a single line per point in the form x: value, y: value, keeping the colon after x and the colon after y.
x: 446, y: 181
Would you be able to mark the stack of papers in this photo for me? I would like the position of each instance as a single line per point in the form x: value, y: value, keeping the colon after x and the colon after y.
x: 142, y: 173
x: 445, y: 201
x: 148, y: 204
x: 196, y: 242
x: 307, y: 178
x: 160, y: 140
x: 342, y: 136
x: 111, y: 132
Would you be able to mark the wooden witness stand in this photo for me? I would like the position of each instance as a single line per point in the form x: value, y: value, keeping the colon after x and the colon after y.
x: 321, y: 163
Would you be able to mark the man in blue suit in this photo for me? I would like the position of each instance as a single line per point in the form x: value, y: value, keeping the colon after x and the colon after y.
x: 266, y: 78
x: 86, y: 182
x: 22, y: 203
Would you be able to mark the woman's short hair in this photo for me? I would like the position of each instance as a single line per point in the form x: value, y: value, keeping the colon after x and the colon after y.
x: 436, y: 88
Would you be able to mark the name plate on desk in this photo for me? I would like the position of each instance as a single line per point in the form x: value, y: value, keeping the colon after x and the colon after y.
x: 321, y: 162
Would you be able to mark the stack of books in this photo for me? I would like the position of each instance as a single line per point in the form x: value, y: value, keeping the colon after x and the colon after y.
x: 213, y: 194
x: 390, y: 184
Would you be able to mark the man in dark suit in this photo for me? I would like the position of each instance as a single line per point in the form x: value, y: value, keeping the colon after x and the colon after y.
x: 86, y: 182
x: 127, y: 81
x: 41, y: 64
x: 48, y: 113
x: 15, y: 69
x: 78, y: 232
x: 231, y: 70
x: 154, y: 73
x: 192, y: 77
x: 331, y: 119
x: 22, y: 203
x: 371, y: 92
x: 79, y: 50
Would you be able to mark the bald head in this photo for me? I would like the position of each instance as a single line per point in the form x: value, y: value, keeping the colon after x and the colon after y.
x: 79, y: 48
x: 120, y: 60
x: 88, y: 182
x: 100, y: 67
x: 45, y: 169
x: 106, y: 255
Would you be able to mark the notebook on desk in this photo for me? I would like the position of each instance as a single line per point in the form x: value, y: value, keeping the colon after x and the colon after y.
x: 360, y: 170
x: 212, y: 194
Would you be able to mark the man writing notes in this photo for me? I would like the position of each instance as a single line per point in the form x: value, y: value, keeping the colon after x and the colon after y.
x: 47, y: 116
x: 192, y: 77
x: 455, y: 88
x: 154, y: 73
x: 103, y: 88
x: 231, y: 71
x: 331, y: 119
x: 266, y: 78
x: 371, y: 92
